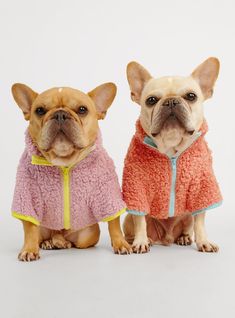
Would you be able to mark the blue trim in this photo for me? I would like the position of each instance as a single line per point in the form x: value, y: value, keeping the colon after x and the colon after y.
x: 215, y: 205
x: 173, y: 182
x: 134, y: 212
x: 149, y: 141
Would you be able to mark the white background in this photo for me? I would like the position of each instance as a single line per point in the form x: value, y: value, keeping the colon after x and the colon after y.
x: 83, y: 44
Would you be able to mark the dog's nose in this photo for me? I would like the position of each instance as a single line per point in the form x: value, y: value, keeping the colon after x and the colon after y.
x: 171, y: 102
x: 61, y: 116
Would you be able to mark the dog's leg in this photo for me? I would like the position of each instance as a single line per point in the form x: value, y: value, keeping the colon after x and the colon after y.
x: 128, y: 229
x: 119, y: 244
x: 30, y: 250
x: 203, y: 245
x: 141, y: 242
x: 86, y: 237
x: 186, y: 235
x: 45, y: 241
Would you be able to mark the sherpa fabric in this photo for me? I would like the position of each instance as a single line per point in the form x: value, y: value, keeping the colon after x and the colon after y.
x: 84, y: 194
x: 151, y: 187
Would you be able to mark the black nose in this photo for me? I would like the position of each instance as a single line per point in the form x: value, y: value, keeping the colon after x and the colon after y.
x: 171, y: 102
x: 61, y: 116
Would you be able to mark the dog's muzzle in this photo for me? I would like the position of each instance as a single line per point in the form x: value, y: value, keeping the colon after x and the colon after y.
x: 61, y: 122
x: 61, y: 116
x: 171, y: 108
x: 171, y: 102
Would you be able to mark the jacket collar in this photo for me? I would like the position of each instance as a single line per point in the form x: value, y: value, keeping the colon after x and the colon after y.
x: 140, y: 134
x: 37, y: 157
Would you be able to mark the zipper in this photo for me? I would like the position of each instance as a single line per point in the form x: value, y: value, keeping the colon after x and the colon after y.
x: 173, y: 160
x: 66, y: 196
x: 41, y: 161
x: 173, y: 179
x: 173, y: 183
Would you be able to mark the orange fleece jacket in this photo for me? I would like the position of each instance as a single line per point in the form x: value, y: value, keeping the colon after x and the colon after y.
x: 163, y: 187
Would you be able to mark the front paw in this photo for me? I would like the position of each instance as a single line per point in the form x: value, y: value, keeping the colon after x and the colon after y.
x: 28, y: 255
x: 120, y: 246
x: 47, y: 245
x: 141, y: 246
x: 184, y: 240
x: 61, y: 244
x: 206, y: 246
x: 55, y: 243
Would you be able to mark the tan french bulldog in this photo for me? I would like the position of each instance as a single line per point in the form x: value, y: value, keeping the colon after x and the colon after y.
x: 63, y: 127
x: 171, y: 118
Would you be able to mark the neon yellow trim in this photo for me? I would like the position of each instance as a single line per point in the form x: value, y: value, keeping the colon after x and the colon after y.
x: 112, y: 217
x: 37, y: 160
x: 25, y: 218
x: 66, y: 188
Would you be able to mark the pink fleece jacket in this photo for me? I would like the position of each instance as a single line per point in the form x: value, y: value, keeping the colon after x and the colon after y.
x: 63, y: 198
x: 163, y: 187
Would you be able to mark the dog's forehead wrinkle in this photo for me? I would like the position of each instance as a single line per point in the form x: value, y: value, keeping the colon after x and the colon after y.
x: 61, y: 97
x: 170, y: 85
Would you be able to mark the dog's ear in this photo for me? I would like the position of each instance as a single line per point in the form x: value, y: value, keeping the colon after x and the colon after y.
x: 206, y: 74
x: 103, y: 97
x: 137, y: 77
x: 24, y: 97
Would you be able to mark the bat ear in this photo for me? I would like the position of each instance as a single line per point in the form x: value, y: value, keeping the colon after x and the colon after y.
x: 24, y: 97
x: 206, y: 75
x: 103, y: 97
x: 137, y: 77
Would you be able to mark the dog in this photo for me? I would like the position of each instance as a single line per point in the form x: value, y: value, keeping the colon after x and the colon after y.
x: 66, y: 182
x: 168, y: 179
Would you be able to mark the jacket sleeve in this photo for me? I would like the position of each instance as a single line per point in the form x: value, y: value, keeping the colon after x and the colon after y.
x: 107, y: 202
x: 204, y: 192
x: 134, y: 190
x: 27, y: 203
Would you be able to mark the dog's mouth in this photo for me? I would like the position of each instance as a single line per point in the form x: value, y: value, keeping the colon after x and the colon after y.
x: 177, y: 118
x: 63, y: 138
x: 62, y: 145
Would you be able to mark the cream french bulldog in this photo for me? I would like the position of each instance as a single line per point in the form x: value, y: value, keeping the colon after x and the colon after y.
x: 168, y: 181
x: 66, y: 182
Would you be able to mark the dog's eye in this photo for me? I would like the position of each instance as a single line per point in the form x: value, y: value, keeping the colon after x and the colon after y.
x: 190, y: 96
x: 82, y: 110
x: 40, y: 111
x: 152, y: 100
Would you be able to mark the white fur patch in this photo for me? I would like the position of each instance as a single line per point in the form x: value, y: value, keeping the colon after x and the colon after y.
x: 60, y: 89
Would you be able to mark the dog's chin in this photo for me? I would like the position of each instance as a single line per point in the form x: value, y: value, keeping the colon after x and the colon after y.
x: 62, y: 151
x: 173, y: 124
x: 62, y: 146
x: 62, y: 158
x: 66, y: 160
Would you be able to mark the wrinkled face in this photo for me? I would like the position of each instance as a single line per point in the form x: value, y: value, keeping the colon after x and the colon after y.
x: 171, y: 107
x: 64, y: 121
x: 171, y: 102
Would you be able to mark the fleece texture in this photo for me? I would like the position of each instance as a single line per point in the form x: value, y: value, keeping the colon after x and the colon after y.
x: 156, y: 185
x: 87, y: 192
